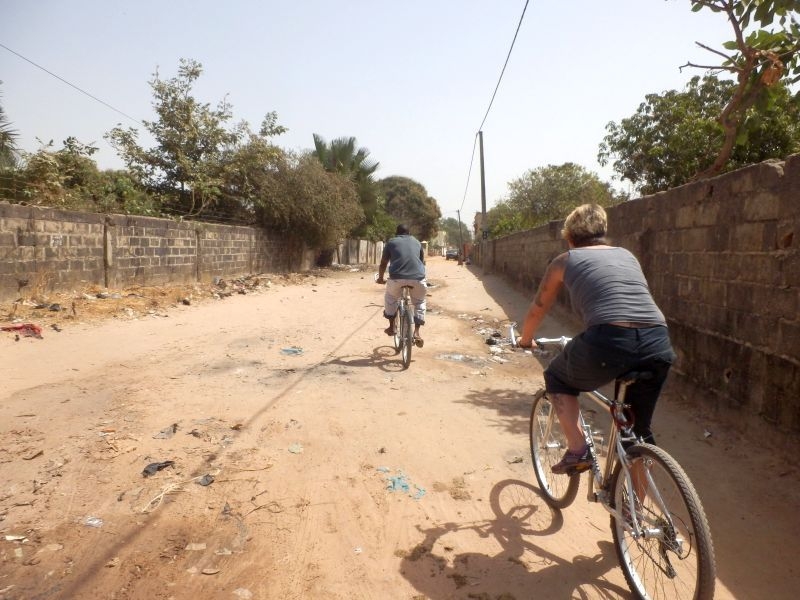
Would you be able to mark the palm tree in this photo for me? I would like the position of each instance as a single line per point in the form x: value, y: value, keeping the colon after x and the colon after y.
x: 8, y: 148
x: 341, y: 156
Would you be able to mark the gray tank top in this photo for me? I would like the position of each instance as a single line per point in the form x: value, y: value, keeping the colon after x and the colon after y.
x: 607, y: 285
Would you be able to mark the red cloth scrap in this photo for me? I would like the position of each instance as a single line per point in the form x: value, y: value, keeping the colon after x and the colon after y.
x: 26, y: 329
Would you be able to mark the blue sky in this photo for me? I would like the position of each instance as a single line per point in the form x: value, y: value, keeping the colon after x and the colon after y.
x: 411, y: 80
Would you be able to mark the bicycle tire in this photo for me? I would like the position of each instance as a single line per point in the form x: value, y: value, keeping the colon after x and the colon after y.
x: 408, y: 336
x: 548, y: 444
x: 677, y: 561
x: 398, y: 323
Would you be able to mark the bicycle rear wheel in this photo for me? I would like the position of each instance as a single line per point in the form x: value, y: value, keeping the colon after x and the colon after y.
x: 398, y: 323
x: 674, y: 558
x: 408, y: 335
x: 548, y: 445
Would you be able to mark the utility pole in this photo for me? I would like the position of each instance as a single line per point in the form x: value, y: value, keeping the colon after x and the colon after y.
x: 485, y: 231
x: 460, y: 240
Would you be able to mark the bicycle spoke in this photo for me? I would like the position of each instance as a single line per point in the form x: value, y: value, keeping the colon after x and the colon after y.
x: 670, y: 554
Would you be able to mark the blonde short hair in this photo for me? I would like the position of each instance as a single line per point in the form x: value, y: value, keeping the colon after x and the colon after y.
x: 585, y: 224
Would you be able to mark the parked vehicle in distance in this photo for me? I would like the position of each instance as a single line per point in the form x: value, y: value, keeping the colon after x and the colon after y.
x: 451, y: 255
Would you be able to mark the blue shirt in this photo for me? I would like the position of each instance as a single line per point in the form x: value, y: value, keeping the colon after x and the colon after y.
x: 406, y: 258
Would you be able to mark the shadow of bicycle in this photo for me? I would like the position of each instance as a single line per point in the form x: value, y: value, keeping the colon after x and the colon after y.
x: 385, y: 358
x: 442, y: 567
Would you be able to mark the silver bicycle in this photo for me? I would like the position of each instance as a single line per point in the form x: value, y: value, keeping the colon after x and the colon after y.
x: 403, y: 325
x: 660, y: 530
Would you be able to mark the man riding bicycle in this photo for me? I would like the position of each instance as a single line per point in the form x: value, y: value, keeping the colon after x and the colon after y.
x: 404, y: 256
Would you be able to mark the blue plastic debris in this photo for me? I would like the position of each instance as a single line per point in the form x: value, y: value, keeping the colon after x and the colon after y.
x: 292, y: 351
x: 398, y: 483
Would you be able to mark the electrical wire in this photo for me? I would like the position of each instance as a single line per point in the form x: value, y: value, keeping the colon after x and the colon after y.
x: 471, y: 162
x: 474, y: 143
x: 522, y: 16
x: 72, y: 85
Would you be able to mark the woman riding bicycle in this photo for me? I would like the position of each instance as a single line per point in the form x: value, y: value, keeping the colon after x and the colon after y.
x: 624, y: 330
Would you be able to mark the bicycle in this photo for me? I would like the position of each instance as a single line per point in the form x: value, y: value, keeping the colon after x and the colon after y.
x: 660, y: 530
x: 403, y: 325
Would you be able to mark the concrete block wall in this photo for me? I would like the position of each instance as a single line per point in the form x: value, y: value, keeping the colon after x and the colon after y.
x: 722, y: 258
x: 42, y: 248
x: 47, y: 249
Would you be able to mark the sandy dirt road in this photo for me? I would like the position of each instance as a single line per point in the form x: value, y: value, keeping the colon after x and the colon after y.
x: 336, y: 474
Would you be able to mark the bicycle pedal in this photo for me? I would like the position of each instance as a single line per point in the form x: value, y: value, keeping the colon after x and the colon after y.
x: 578, y: 470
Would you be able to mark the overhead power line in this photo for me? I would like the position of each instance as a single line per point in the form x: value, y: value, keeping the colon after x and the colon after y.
x: 522, y: 16
x: 72, y: 85
x: 502, y: 72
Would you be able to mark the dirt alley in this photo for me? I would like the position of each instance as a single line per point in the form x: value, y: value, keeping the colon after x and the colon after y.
x: 330, y: 472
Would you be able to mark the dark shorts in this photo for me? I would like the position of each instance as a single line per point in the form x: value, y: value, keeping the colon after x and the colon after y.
x: 604, y: 352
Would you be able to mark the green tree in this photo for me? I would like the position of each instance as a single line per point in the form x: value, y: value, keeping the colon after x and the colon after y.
x: 297, y: 197
x: 548, y: 193
x: 8, y: 141
x: 65, y: 178
x: 759, y: 59
x: 343, y: 156
x: 194, y: 142
x: 408, y: 202
x: 457, y: 232
x: 675, y: 135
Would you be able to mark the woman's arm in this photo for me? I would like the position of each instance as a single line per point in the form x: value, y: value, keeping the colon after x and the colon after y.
x: 545, y: 297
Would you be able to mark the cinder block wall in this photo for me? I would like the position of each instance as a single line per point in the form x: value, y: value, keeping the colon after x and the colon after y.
x: 722, y: 258
x: 54, y: 249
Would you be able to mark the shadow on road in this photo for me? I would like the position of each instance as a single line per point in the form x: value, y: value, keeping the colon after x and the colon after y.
x: 521, y: 569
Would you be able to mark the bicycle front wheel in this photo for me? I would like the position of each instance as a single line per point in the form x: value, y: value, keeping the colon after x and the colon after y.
x: 548, y: 444
x: 673, y: 556
x: 408, y: 336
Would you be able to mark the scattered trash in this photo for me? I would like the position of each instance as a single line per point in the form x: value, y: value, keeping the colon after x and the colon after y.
x: 460, y: 358
x: 191, y: 547
x: 358, y: 550
x: 206, y: 480
x: 209, y: 571
x: 295, y: 448
x: 166, y: 433
x: 292, y: 351
x: 26, y: 329
x: 153, y: 468
x: 54, y: 308
x: 93, y: 522
x: 514, y: 460
x: 400, y: 483
x: 33, y: 454
x: 114, y: 562
x: 16, y: 538
x: 55, y: 327
x: 706, y: 433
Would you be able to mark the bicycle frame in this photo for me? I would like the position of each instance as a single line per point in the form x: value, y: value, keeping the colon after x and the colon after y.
x: 620, y: 434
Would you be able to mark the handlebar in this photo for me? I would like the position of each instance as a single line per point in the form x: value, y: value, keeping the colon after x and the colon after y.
x: 541, y: 342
